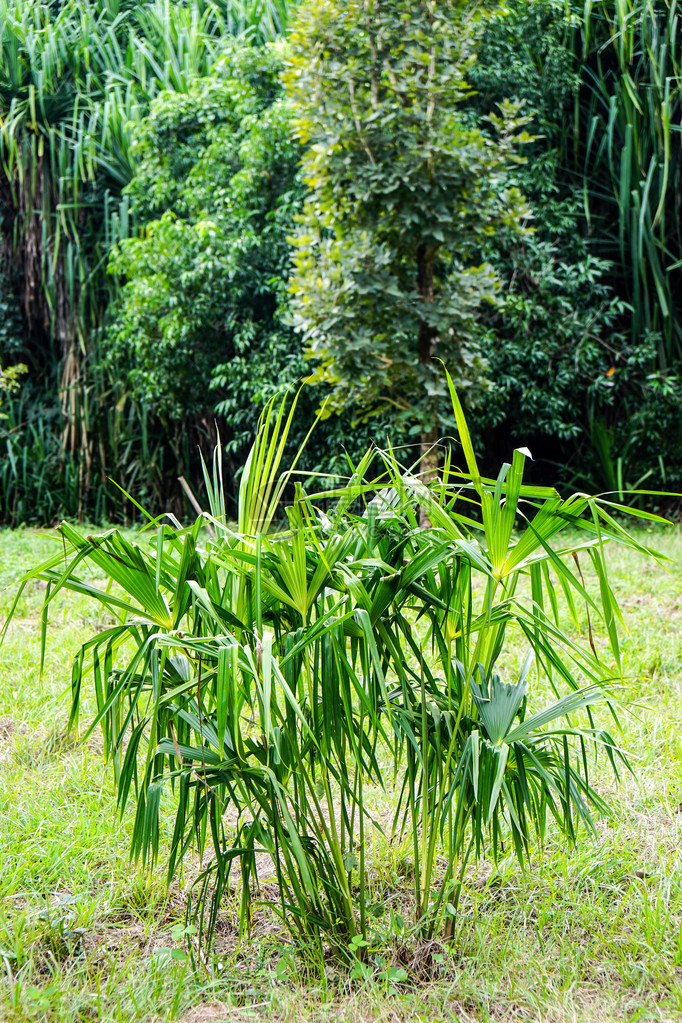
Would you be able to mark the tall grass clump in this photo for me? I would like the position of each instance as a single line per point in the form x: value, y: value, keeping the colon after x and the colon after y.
x: 627, y: 120
x: 271, y: 672
x: 76, y: 80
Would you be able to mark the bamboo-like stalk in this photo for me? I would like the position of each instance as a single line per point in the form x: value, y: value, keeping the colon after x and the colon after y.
x: 628, y: 122
x: 74, y: 81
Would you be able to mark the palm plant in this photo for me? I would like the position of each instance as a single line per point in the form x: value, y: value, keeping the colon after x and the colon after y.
x: 268, y: 667
x: 475, y: 760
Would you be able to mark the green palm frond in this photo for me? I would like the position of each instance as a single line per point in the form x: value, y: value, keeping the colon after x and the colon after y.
x: 273, y: 671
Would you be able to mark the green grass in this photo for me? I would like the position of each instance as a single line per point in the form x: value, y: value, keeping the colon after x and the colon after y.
x: 588, y: 934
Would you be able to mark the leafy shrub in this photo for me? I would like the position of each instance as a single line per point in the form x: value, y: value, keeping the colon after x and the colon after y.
x: 76, y: 79
x: 403, y: 190
x: 269, y: 671
x: 201, y: 326
x: 556, y: 331
x: 216, y: 189
x: 582, y: 352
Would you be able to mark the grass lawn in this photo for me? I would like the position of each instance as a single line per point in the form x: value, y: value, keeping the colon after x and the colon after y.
x: 591, y: 933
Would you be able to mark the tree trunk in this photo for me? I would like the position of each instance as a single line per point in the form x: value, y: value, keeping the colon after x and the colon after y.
x: 428, y: 464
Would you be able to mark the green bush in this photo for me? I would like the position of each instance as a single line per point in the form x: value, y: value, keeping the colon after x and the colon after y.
x: 201, y: 326
x: 581, y: 351
x: 273, y: 666
x: 76, y: 79
x: 403, y: 191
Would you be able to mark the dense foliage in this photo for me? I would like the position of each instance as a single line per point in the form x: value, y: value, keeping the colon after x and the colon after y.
x: 145, y: 125
x: 200, y: 326
x: 75, y: 81
x: 555, y: 333
x: 628, y: 148
x: 215, y: 190
x: 578, y: 359
x: 403, y: 192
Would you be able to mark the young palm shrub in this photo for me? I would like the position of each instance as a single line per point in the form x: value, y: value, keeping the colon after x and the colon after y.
x: 475, y: 765
x: 263, y: 672
x: 241, y: 648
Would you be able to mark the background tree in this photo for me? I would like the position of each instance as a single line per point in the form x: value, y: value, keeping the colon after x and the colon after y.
x: 200, y: 329
x: 215, y: 190
x: 558, y: 323
x: 585, y: 365
x: 404, y: 190
x: 75, y: 80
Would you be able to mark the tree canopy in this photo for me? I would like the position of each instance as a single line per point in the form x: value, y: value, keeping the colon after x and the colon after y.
x: 147, y: 125
x: 404, y: 190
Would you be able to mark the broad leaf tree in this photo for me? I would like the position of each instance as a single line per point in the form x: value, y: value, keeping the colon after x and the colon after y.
x: 200, y: 326
x: 403, y: 190
x: 216, y: 190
